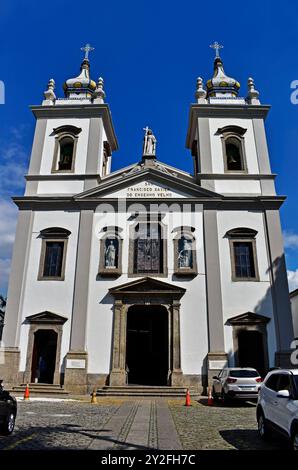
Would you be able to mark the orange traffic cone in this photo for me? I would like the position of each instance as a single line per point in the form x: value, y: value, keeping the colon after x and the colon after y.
x: 26, y: 393
x: 210, y: 397
x: 93, y: 396
x: 187, y: 398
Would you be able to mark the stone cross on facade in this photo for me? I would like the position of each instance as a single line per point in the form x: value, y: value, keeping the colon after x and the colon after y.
x: 216, y: 46
x: 87, y: 49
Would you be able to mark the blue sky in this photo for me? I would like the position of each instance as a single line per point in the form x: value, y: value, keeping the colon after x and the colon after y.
x: 149, y: 54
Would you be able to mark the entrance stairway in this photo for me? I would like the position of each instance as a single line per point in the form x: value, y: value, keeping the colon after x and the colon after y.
x: 39, y: 390
x: 145, y: 391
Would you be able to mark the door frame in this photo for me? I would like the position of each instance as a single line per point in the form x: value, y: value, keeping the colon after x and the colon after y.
x: 44, y: 321
x: 165, y: 313
x: 145, y: 291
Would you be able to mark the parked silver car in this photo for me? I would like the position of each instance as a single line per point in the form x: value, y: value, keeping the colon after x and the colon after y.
x: 277, y: 409
x: 236, y: 383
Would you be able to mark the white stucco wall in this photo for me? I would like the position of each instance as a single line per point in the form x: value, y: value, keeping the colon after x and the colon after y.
x: 55, y: 296
x: 61, y: 187
x: 237, y: 187
x: 245, y: 296
x: 49, y: 145
x: 216, y: 144
x: 194, y: 337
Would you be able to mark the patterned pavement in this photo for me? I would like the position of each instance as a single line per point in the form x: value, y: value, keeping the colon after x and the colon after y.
x: 142, y: 424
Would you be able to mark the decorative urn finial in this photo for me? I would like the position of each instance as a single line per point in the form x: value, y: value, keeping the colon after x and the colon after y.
x: 99, y: 93
x: 253, y: 94
x: 49, y: 94
x: 200, y: 92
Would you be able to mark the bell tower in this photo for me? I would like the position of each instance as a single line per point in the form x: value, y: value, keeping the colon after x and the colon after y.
x: 226, y: 136
x: 74, y: 136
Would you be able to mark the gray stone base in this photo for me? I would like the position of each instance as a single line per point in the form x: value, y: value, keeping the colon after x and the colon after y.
x: 75, y: 380
x: 96, y: 381
x: 283, y: 359
x: 117, y: 377
x: 194, y: 381
x: 212, y: 359
x: 177, y: 378
x: 9, y: 366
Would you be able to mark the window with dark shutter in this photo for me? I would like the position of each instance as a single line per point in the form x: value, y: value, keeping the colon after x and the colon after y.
x: 244, y: 260
x: 148, y: 248
x: 53, y: 259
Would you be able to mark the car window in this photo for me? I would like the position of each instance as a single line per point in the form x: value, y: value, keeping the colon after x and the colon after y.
x: 295, y: 380
x: 284, y: 382
x: 272, y: 382
x: 243, y: 373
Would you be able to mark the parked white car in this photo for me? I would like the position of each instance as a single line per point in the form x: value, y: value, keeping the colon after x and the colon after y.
x: 236, y: 383
x: 277, y: 408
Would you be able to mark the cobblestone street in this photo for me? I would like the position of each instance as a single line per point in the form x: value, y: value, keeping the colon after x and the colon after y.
x: 134, y: 424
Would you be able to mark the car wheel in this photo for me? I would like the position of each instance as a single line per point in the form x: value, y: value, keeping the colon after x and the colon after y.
x: 225, y: 398
x: 8, y: 426
x: 263, y: 426
x: 214, y: 394
x: 295, y: 439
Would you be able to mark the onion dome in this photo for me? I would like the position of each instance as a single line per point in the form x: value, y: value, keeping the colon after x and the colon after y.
x: 221, y: 85
x: 81, y: 86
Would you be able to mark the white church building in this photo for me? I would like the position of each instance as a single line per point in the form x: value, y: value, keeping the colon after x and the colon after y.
x: 146, y: 275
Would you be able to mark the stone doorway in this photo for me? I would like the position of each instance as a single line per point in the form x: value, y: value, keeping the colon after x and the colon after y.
x: 251, y: 350
x: 146, y: 293
x: 44, y: 356
x: 44, y: 348
x: 250, y: 341
x: 147, y: 350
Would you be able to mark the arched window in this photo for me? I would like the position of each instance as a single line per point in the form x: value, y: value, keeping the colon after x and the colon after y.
x: 53, y: 253
x: 110, y: 252
x: 243, y: 254
x: 234, y: 155
x: 233, y: 148
x: 185, y: 262
x: 65, y: 148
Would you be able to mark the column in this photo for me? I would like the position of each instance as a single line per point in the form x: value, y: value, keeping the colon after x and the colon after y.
x: 75, y: 378
x: 118, y: 373
x: 176, y: 376
x: 216, y: 355
x: 280, y: 289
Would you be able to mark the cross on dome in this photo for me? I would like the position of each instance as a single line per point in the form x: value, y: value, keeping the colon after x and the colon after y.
x: 216, y: 46
x: 88, y: 48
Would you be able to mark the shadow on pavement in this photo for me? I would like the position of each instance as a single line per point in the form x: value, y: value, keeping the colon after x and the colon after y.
x: 248, y: 439
x: 232, y: 404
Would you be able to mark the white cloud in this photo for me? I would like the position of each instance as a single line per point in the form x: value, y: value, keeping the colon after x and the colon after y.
x: 293, y: 280
x: 290, y: 239
x: 7, y: 233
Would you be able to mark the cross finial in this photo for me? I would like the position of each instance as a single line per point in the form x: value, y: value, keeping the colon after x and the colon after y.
x: 87, y: 49
x: 216, y: 46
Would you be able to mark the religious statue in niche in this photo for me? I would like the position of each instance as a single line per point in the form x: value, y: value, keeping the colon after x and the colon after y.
x: 149, y: 147
x: 185, y: 253
x: 111, y: 253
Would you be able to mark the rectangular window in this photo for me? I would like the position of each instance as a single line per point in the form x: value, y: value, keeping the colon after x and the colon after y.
x: 53, y: 259
x: 244, y: 264
x: 148, y: 249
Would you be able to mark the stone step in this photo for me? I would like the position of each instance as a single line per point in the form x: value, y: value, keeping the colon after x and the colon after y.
x: 145, y: 391
x: 41, y: 389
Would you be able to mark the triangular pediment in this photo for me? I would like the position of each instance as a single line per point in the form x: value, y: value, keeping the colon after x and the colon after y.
x: 147, y: 183
x: 46, y: 317
x: 248, y: 318
x: 146, y: 285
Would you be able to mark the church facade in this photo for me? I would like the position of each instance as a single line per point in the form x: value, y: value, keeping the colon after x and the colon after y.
x: 146, y: 275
